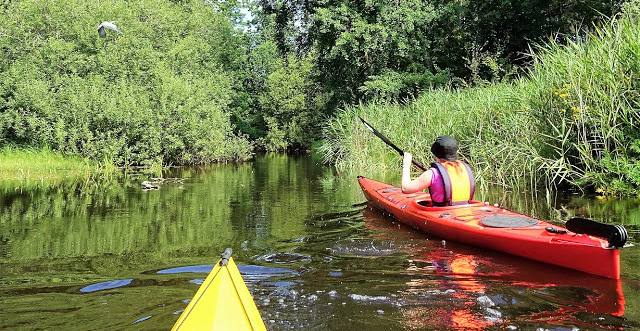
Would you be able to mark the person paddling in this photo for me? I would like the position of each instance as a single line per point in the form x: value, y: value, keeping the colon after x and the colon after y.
x: 449, y: 180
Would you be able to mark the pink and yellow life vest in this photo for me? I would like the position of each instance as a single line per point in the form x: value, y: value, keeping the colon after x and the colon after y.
x: 459, y: 184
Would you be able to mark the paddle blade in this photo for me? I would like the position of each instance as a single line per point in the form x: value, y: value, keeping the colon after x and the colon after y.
x: 369, y: 127
x: 615, y: 234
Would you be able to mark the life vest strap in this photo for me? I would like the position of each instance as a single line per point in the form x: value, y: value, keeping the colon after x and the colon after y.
x: 444, y: 174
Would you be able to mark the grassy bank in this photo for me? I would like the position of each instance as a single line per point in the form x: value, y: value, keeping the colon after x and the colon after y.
x: 491, y: 131
x: 44, y: 164
x: 573, y: 120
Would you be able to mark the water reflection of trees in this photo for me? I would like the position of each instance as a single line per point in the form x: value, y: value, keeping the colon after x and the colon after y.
x: 214, y: 207
x: 113, y: 215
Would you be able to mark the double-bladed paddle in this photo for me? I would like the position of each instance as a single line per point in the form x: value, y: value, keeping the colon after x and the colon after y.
x: 390, y: 144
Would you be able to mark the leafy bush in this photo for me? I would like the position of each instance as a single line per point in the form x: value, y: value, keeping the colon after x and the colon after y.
x: 158, y: 92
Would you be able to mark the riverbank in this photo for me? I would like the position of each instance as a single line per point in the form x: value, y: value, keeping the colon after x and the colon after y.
x: 18, y: 164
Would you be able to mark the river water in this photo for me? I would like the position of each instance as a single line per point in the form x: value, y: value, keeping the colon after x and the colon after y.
x: 104, y: 254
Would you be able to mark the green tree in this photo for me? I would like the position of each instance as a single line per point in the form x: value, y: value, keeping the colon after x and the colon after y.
x: 289, y: 103
x: 160, y: 91
x: 258, y: 60
x: 371, y: 49
x: 500, y: 32
x: 278, y: 104
x: 374, y: 48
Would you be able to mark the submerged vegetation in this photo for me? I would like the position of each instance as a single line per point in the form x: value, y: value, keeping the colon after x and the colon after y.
x: 572, y: 120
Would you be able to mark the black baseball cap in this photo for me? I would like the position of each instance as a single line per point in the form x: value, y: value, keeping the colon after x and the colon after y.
x: 445, y: 148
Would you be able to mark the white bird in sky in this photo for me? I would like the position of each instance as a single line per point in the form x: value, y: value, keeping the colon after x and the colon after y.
x: 109, y: 25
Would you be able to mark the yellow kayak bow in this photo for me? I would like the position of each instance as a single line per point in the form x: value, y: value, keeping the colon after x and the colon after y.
x: 222, y: 302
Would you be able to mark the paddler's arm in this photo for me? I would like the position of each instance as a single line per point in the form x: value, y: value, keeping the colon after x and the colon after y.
x: 418, y: 184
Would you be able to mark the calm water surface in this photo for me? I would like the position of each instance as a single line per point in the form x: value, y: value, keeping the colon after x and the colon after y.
x: 105, y: 255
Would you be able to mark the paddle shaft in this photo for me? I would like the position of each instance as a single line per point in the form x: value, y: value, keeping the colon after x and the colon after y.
x: 390, y: 144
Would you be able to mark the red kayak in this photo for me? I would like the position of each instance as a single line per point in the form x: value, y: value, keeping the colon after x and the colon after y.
x: 492, y: 227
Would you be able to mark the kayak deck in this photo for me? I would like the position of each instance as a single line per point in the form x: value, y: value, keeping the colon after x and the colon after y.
x: 496, y: 228
x: 222, y: 302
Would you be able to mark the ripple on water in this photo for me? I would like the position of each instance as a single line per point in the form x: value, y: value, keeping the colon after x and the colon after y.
x: 284, y: 258
x: 260, y: 270
x: 369, y: 299
x: 205, y: 268
x: 250, y: 273
x: 368, y: 248
x: 280, y: 284
x: 141, y: 319
x: 244, y: 269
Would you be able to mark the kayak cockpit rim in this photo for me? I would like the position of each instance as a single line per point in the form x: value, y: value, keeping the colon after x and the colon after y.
x: 424, y: 204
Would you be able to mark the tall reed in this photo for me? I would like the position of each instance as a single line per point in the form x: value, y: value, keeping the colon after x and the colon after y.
x: 586, y: 104
x: 493, y: 134
x: 573, y: 120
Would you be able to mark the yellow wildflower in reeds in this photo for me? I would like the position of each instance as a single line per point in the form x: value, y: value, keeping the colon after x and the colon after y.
x: 576, y: 112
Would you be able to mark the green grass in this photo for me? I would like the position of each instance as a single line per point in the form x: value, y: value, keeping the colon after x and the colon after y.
x: 45, y: 164
x: 574, y: 120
